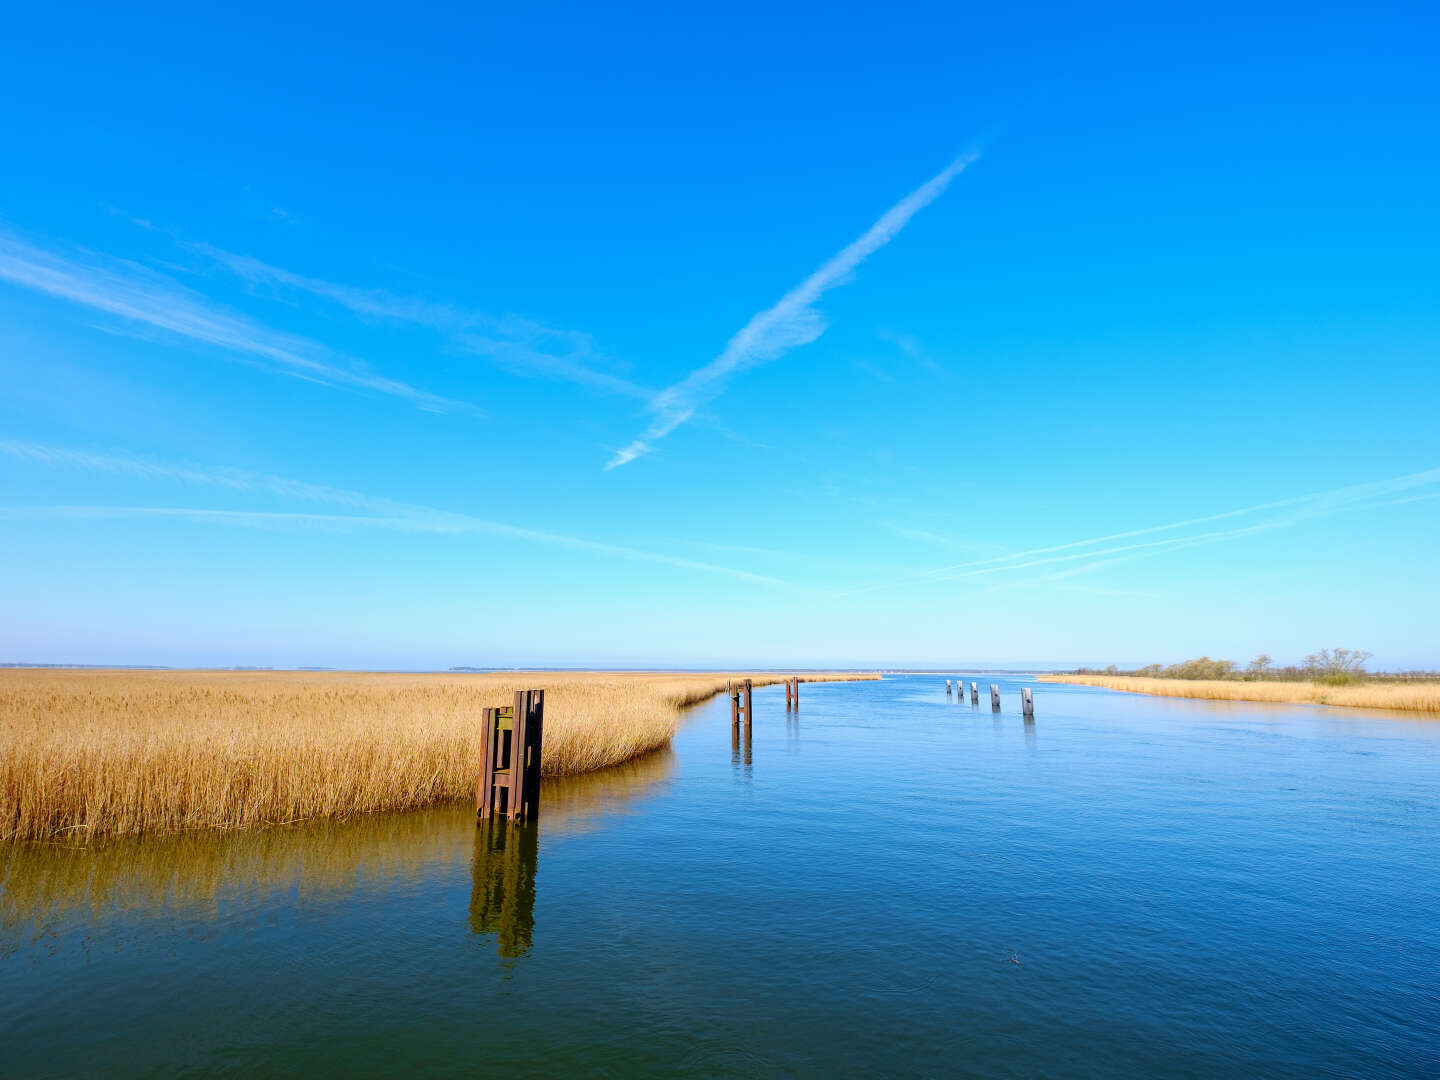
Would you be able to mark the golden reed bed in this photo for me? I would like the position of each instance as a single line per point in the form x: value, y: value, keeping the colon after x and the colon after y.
x: 1409, y: 696
x: 325, y: 860
x: 98, y: 753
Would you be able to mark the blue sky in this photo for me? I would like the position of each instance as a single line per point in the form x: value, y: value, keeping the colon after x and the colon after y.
x: 745, y: 335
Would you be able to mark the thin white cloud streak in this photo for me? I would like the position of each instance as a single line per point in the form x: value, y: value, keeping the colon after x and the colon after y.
x: 1316, y: 504
x: 384, y: 513
x: 789, y: 324
x: 928, y: 536
x: 372, y: 303
x: 1149, y: 547
x: 516, y: 344
x: 524, y: 358
x: 134, y: 293
x: 1158, y: 548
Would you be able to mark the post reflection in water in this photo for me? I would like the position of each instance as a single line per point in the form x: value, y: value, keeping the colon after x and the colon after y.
x: 740, y: 748
x: 1030, y: 733
x: 506, y: 853
x: 502, y: 894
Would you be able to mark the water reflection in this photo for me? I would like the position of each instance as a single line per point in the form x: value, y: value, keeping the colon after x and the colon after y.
x: 740, y: 748
x: 48, y: 889
x: 1030, y: 733
x: 502, y: 894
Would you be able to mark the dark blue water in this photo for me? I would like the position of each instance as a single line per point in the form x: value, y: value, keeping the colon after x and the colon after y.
x: 891, y: 883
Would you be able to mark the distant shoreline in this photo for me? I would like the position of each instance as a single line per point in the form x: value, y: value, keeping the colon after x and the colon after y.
x: 1421, y: 697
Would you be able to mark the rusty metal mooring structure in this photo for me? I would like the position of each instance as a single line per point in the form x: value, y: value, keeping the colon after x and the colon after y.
x: 509, y: 784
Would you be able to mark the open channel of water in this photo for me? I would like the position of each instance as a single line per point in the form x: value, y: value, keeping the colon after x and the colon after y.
x: 886, y: 882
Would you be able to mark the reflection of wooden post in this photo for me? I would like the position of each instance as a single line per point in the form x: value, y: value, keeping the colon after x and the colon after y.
x: 994, y: 697
x: 510, y: 739
x: 502, y: 890
x: 1027, y: 702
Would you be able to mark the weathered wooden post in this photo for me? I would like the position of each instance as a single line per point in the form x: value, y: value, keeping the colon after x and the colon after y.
x: 749, y: 702
x: 740, y: 699
x: 796, y: 681
x: 947, y: 687
x: 510, y: 739
x: 994, y: 697
x: 974, y: 693
x: 1027, y: 702
x: 789, y: 694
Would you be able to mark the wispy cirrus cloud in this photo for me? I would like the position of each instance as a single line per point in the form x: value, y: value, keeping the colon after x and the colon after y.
x: 790, y: 323
x: 378, y: 512
x: 518, y: 345
x: 1097, y: 552
x: 910, y: 346
x: 139, y: 295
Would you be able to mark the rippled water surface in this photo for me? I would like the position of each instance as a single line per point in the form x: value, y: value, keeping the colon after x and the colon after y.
x: 887, y: 882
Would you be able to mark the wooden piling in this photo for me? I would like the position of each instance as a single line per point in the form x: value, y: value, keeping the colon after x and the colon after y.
x: 1027, y: 702
x: 994, y: 697
x: 740, y: 702
x: 796, y: 681
x: 974, y: 693
x: 510, y: 740
x: 789, y: 694
x: 947, y: 687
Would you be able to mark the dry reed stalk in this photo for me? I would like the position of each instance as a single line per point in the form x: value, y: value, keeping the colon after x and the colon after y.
x: 1409, y: 697
x: 192, y: 873
x: 100, y: 753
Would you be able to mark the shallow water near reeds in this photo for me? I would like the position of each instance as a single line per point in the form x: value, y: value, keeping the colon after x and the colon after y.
x: 887, y: 882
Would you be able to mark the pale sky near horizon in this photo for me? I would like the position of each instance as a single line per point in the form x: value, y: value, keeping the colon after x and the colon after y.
x: 754, y: 336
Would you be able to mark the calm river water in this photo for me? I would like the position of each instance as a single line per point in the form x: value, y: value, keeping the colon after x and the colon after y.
x: 889, y: 883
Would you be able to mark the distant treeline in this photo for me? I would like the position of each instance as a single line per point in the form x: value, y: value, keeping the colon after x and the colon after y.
x: 1333, y: 667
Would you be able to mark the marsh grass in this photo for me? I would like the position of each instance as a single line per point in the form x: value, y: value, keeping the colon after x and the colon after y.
x: 193, y: 874
x: 85, y: 754
x: 1407, y: 696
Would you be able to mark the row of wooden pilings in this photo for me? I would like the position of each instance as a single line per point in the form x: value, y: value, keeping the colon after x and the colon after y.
x: 510, y: 739
x: 742, y: 699
x: 1027, y: 698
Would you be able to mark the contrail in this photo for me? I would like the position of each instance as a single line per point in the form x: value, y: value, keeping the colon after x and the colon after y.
x: 381, y: 513
x: 1316, y: 504
x: 130, y: 292
x: 790, y: 323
